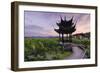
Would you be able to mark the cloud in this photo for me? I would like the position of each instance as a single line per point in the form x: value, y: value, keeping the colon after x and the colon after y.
x: 43, y: 23
x: 33, y: 30
x: 83, y: 24
x: 33, y: 27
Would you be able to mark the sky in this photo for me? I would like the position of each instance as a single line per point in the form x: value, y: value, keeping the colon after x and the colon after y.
x: 43, y: 23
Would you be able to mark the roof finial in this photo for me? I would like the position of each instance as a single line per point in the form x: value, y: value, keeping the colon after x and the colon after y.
x: 61, y: 19
x: 65, y: 18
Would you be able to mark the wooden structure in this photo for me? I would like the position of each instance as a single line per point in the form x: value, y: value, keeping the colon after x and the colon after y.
x: 65, y: 30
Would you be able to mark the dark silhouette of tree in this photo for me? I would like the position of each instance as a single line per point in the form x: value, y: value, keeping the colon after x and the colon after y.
x: 66, y: 27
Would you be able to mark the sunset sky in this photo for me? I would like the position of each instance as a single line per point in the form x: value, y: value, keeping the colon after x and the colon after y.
x: 43, y: 23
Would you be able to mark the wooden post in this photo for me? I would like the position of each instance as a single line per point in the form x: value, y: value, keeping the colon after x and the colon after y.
x: 59, y: 37
x: 62, y: 38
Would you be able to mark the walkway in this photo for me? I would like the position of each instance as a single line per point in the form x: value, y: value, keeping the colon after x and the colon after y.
x: 77, y: 52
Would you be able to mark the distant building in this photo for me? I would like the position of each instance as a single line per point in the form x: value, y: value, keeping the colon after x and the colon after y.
x: 82, y: 35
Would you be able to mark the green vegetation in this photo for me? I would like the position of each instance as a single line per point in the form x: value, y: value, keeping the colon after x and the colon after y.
x: 37, y: 49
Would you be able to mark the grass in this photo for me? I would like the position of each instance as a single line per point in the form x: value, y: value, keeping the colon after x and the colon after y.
x: 38, y: 49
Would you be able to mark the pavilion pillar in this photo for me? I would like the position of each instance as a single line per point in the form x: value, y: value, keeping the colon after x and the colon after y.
x: 59, y: 37
x: 62, y: 38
